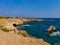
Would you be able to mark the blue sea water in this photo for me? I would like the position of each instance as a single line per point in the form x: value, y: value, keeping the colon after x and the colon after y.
x: 37, y: 29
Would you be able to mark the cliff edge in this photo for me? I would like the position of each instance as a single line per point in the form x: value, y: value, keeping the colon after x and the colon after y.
x: 11, y: 38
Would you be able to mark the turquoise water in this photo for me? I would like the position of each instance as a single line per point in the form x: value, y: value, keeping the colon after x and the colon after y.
x: 37, y: 29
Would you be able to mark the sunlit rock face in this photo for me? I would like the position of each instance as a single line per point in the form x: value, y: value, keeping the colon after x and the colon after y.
x: 51, y: 28
x: 11, y: 38
x: 52, y: 31
x: 8, y: 23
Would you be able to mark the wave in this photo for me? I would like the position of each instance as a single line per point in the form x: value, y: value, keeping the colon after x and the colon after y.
x: 55, y: 33
x: 26, y: 25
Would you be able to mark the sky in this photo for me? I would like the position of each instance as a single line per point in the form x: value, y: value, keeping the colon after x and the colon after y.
x: 30, y: 8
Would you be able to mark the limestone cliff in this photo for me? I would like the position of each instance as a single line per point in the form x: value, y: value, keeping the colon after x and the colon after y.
x: 8, y: 23
x: 11, y: 38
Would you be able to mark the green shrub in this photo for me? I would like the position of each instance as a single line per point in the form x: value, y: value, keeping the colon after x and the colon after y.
x: 24, y: 33
x: 4, y: 29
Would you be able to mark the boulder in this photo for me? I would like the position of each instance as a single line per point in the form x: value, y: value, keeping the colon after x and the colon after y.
x: 51, y: 28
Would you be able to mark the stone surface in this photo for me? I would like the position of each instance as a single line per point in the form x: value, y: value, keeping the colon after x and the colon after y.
x: 10, y: 38
x: 51, y: 28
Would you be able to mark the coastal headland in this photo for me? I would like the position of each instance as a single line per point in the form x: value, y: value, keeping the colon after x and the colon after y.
x: 9, y: 35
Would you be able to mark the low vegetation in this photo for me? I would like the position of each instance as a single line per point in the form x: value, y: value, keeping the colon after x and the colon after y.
x: 24, y: 33
x: 4, y: 29
x: 6, y: 17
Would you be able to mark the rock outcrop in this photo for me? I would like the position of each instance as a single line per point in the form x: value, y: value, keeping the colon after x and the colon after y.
x: 8, y: 23
x: 51, y: 28
x: 11, y: 38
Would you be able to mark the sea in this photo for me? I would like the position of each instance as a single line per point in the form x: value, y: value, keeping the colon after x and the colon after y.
x: 38, y: 29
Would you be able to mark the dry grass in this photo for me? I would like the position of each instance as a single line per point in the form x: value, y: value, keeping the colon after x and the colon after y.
x: 24, y: 33
x: 5, y: 29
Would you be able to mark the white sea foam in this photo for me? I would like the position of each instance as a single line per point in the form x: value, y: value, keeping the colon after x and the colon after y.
x: 55, y: 33
x: 26, y: 25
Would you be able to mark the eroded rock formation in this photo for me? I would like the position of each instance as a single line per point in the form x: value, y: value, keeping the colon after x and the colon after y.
x: 11, y: 38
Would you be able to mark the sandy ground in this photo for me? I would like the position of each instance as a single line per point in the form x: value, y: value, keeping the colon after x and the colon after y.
x: 10, y: 38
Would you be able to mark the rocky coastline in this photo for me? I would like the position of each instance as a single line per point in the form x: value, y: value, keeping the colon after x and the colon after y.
x: 10, y: 37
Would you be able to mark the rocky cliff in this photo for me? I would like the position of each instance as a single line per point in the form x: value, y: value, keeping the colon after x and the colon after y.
x: 11, y: 38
